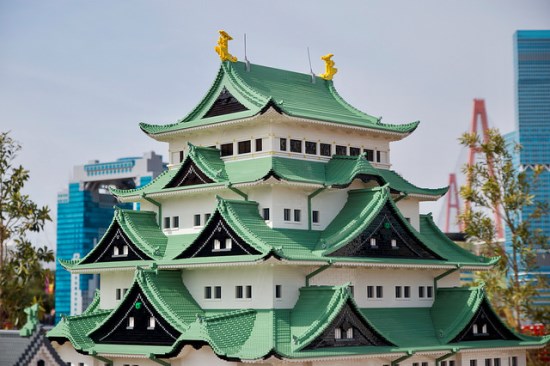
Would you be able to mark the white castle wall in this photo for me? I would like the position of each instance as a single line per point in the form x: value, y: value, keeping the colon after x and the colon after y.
x: 109, y: 282
x: 409, y: 208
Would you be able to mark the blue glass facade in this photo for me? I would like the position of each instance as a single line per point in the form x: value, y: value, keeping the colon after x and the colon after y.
x: 532, y: 72
x: 82, y: 218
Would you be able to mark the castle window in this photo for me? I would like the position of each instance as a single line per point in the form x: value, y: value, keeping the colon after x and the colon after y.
x: 337, y: 333
x: 475, y: 329
x: 152, y: 323
x: 217, y: 245
x: 207, y: 292
x: 315, y: 217
x: 488, y: 362
x: 474, y: 363
x: 286, y: 215
x: 226, y: 149
x: 228, y: 244
x: 259, y: 146
x: 311, y: 148
x: 421, y: 292
x: 282, y: 144
x: 451, y: 363
x: 217, y: 292
x: 125, y: 250
x: 424, y: 364
x: 443, y: 363
x: 296, y: 146
x: 370, y: 292
x: 373, y: 242
x: 407, y: 292
x: 430, y: 292
x: 167, y: 223
x: 265, y: 213
x: 416, y: 364
x: 394, y: 244
x: 341, y: 150
x: 326, y: 149
x: 244, y: 147
x: 175, y: 221
x: 398, y: 292
x: 278, y: 291
x: 349, y: 333
x: 378, y: 156
x: 115, y: 252
x: 118, y: 293
x: 297, y: 214
x: 197, y: 220
x: 181, y: 156
x: 238, y: 292
x: 514, y: 361
x: 379, y: 292
x: 370, y: 154
x: 130, y: 323
x: 354, y: 151
x: 206, y: 218
x: 249, y: 292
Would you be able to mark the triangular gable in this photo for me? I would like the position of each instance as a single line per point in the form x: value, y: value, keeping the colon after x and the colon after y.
x: 348, y: 329
x: 225, y: 103
x: 136, y: 321
x: 386, y: 236
x: 115, y: 246
x: 188, y: 175
x: 326, y: 317
x: 217, y: 239
x: 485, y: 325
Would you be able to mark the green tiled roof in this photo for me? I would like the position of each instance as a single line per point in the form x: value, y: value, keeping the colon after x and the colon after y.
x: 207, y: 160
x: 292, y: 93
x: 445, y: 247
x: 360, y: 209
x: 141, y: 228
x: 339, y: 171
x: 251, y: 334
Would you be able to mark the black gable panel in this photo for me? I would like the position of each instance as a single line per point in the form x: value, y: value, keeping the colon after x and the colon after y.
x: 136, y: 321
x: 484, y: 326
x: 338, y: 333
x: 226, y: 103
x: 188, y: 175
x: 386, y: 237
x: 115, y: 246
x: 217, y: 239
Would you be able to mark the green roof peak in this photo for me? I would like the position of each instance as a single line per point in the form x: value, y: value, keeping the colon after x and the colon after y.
x: 253, y: 89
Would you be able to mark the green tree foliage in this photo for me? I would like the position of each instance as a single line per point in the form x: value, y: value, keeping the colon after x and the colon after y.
x: 509, y: 190
x: 21, y: 273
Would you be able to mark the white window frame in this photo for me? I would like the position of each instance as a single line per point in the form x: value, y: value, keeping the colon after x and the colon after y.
x: 152, y: 323
x: 131, y: 322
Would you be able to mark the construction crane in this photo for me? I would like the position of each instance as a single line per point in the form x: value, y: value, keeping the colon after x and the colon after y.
x: 479, y: 116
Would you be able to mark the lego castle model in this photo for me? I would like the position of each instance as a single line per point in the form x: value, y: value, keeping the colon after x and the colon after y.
x: 279, y: 234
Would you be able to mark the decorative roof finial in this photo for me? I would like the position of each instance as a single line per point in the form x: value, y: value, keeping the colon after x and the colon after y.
x: 222, y: 48
x: 330, y: 70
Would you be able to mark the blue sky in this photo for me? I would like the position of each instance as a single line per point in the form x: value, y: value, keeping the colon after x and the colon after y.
x: 76, y: 77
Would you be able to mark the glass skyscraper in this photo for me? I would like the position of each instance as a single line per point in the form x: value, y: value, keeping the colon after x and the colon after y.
x: 84, y: 212
x: 532, y: 77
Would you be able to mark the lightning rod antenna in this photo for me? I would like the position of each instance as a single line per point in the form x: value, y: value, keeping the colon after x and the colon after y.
x: 245, y: 58
x: 310, y: 69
